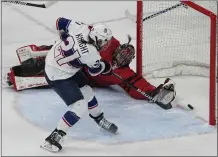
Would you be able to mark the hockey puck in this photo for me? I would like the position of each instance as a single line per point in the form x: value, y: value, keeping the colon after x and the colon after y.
x: 190, y: 106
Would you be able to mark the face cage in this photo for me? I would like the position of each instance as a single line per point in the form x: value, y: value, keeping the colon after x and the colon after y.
x: 99, y: 42
x: 120, y: 58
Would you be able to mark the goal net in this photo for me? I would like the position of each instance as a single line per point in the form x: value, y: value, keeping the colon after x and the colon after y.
x: 178, y: 38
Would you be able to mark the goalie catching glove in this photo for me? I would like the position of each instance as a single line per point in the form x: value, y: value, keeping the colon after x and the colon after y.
x: 123, y: 55
x: 164, y: 94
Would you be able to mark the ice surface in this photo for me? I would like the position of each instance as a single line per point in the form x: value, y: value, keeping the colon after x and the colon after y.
x: 137, y: 120
x: 22, y: 132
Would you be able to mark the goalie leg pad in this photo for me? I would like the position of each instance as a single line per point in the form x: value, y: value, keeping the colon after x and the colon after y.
x: 19, y: 82
x: 32, y: 52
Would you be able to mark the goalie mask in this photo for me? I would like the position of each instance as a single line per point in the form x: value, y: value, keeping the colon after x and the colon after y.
x: 100, y: 34
x: 123, y: 55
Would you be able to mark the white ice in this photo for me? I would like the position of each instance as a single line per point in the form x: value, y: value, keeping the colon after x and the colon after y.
x: 22, y: 25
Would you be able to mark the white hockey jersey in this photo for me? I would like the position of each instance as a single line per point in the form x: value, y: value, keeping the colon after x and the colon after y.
x: 67, y: 57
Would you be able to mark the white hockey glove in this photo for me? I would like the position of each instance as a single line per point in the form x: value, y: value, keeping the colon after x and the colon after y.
x: 101, y: 67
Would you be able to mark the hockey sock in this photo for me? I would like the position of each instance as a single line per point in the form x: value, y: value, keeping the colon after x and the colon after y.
x: 67, y: 121
x: 73, y: 115
x: 94, y: 108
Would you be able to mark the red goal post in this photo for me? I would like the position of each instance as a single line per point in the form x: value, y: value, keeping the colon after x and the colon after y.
x: 211, y: 54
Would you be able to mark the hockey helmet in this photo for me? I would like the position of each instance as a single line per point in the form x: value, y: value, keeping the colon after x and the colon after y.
x: 100, y: 34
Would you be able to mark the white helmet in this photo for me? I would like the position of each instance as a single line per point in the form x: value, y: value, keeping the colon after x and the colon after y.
x: 100, y: 34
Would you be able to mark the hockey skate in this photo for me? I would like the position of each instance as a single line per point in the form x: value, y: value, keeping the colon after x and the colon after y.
x: 104, y: 123
x: 53, y: 142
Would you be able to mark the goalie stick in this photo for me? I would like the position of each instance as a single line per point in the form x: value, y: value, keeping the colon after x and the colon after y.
x: 47, y: 5
x: 133, y: 18
x: 166, y: 107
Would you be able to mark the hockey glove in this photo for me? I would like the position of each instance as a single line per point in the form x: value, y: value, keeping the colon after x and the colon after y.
x: 100, y: 67
x: 63, y: 35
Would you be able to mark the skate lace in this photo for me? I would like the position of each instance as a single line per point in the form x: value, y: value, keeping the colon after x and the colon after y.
x: 104, y: 124
x: 56, y: 137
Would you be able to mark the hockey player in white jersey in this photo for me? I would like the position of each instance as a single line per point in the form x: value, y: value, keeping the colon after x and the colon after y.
x: 62, y: 71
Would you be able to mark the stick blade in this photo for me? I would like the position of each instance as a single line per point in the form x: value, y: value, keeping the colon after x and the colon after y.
x: 50, y: 3
x: 130, y: 16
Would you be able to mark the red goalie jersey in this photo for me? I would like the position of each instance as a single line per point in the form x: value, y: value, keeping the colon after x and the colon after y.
x: 107, y: 53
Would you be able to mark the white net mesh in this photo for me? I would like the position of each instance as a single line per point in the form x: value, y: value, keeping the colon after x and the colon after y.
x: 176, y: 42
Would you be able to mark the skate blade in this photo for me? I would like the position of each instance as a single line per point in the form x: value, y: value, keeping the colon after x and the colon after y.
x: 51, y: 148
x: 109, y: 131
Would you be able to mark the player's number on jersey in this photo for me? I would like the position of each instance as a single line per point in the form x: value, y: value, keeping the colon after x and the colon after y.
x: 64, y: 48
x: 97, y: 64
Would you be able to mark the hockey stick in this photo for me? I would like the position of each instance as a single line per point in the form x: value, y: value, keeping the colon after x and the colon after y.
x: 165, y: 107
x: 48, y: 4
x: 133, y: 18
